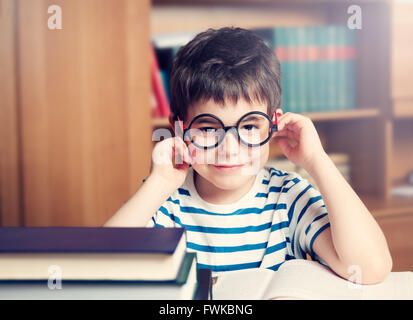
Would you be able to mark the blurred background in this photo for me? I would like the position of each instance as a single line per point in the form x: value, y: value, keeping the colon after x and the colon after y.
x: 83, y: 84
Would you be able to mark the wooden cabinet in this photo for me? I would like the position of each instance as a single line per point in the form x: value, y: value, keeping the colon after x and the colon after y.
x: 76, y: 110
x: 398, y: 230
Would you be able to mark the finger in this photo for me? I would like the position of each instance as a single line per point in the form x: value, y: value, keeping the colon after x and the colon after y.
x: 286, y: 130
x: 285, y: 146
x: 290, y: 134
x: 187, y: 156
x: 183, y: 151
x: 178, y: 153
x: 292, y: 121
x: 162, y: 152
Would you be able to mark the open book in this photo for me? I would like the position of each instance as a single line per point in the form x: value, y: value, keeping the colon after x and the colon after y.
x: 303, y: 279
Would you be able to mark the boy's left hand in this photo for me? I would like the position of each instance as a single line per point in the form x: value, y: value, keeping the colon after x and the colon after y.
x: 307, y: 149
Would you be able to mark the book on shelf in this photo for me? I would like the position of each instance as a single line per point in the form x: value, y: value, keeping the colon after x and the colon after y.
x: 185, y: 286
x: 91, y: 253
x: 304, y: 279
x: 317, y: 67
x: 164, y: 49
x: 159, y: 91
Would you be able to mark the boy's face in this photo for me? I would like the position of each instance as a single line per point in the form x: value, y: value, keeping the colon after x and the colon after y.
x: 231, y: 164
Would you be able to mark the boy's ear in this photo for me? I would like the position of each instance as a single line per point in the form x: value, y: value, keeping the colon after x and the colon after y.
x: 279, y: 112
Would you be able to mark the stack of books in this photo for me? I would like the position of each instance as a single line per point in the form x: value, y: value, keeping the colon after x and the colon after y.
x: 84, y: 263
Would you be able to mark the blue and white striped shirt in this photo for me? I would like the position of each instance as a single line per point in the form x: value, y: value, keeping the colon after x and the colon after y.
x: 277, y: 220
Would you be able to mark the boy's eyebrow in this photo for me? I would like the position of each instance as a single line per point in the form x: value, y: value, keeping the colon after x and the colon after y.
x: 206, y: 120
x: 252, y: 117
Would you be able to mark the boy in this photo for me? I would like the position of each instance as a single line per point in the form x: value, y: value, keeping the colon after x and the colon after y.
x: 225, y: 91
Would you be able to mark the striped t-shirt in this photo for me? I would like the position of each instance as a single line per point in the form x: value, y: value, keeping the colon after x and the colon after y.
x: 277, y: 220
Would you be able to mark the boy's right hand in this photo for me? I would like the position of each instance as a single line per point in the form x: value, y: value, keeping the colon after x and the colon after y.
x: 170, y: 161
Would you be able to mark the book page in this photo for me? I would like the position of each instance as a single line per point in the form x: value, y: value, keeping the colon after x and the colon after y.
x: 249, y: 284
x: 305, y: 279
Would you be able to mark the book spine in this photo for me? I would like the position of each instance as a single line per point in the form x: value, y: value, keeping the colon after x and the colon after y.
x: 331, y: 68
x: 291, y: 66
x: 351, y: 77
x: 156, y: 113
x: 166, y: 75
x: 346, y: 66
x: 281, y: 51
x: 341, y: 70
x: 301, y: 57
x: 324, y: 66
x: 320, y: 69
x: 311, y: 76
x: 158, y: 87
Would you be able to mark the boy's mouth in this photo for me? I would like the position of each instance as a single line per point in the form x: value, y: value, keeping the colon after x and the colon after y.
x: 229, y: 167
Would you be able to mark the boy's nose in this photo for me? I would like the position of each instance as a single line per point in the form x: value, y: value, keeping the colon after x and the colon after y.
x: 229, y: 147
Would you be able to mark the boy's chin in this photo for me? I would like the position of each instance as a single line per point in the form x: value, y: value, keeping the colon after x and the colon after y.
x: 231, y: 183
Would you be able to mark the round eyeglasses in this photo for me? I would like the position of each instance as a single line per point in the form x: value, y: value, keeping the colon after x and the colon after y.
x: 207, y: 131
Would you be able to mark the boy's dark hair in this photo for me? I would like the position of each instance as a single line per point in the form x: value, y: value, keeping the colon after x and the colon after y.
x: 228, y: 63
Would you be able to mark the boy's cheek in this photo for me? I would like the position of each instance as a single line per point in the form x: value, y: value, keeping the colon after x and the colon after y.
x: 200, y: 156
x: 258, y: 158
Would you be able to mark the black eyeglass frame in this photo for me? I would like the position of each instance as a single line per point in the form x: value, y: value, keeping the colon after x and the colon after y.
x: 273, y: 126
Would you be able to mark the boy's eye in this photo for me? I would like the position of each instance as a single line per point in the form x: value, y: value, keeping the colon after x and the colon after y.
x: 208, y: 129
x: 249, y: 127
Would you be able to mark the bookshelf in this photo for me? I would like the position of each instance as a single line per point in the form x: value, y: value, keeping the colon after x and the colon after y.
x: 378, y: 134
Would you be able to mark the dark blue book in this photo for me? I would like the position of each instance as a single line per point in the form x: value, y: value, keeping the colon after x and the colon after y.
x: 91, y: 253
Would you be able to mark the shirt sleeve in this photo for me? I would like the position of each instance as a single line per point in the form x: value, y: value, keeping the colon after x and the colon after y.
x: 307, y: 217
x: 164, y: 217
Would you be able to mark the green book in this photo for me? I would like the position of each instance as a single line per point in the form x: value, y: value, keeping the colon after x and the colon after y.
x: 342, y: 82
x: 311, y: 77
x: 318, y: 76
x: 292, y: 70
x: 331, y: 68
x: 350, y: 67
x: 300, y: 68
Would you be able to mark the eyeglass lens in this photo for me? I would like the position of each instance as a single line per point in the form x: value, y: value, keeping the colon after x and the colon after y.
x: 207, y: 132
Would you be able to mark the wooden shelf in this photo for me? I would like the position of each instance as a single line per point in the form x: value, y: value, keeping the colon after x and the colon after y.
x: 160, y: 122
x: 403, y: 108
x: 391, y: 207
x: 314, y: 116
x: 343, y: 114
